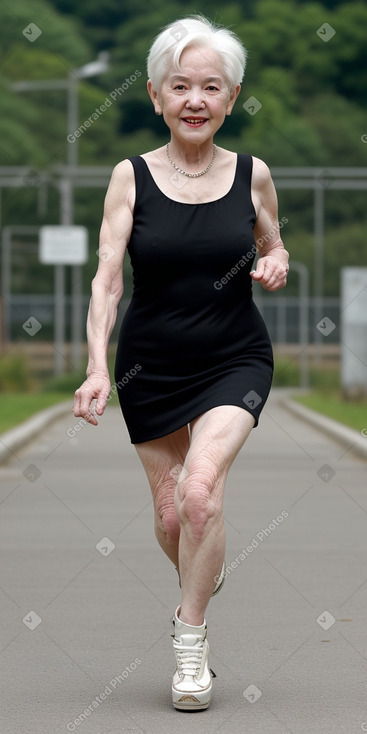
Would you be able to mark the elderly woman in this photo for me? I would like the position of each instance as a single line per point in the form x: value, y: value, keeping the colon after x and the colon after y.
x: 192, y: 343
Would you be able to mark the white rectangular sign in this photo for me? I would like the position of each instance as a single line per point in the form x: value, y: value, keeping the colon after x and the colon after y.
x: 353, y: 341
x: 63, y: 245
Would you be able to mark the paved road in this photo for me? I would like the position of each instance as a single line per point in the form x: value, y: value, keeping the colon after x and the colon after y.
x: 88, y: 630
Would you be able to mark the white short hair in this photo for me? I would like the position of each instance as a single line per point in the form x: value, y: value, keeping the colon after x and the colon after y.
x: 198, y: 31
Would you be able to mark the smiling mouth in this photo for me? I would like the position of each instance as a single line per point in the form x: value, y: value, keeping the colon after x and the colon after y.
x: 196, y: 121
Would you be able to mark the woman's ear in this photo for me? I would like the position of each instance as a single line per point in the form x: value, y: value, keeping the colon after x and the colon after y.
x: 154, y: 97
x: 232, y: 98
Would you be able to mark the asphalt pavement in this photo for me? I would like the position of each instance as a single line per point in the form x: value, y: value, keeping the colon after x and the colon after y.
x: 87, y: 595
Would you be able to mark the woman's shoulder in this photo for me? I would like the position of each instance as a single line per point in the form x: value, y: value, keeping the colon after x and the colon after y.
x: 122, y: 184
x: 123, y: 170
x: 260, y: 172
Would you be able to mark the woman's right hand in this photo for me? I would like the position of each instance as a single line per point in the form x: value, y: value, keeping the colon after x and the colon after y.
x: 97, y: 387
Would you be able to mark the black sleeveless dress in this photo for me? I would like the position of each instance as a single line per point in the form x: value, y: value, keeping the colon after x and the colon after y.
x: 192, y: 337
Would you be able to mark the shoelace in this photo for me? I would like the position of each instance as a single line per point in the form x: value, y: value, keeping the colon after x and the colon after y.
x: 189, y: 659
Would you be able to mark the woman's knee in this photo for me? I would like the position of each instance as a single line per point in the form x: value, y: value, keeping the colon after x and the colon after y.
x: 197, y: 500
x: 166, y: 517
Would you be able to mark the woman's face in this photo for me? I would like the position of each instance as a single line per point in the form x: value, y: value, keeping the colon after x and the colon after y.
x: 195, y: 101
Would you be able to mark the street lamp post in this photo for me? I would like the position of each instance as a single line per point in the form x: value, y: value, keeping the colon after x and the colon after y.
x: 98, y: 66
x: 93, y: 68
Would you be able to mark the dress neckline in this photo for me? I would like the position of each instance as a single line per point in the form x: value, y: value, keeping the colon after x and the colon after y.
x: 188, y: 203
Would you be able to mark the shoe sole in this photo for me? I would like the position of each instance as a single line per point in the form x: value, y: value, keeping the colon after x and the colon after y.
x: 200, y: 707
x: 191, y: 701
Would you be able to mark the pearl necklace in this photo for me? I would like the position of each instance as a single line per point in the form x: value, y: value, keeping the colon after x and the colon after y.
x: 191, y: 175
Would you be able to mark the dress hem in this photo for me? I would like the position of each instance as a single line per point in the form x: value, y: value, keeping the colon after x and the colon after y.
x: 209, y: 407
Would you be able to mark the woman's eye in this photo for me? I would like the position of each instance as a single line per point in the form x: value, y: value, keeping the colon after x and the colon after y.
x: 182, y: 88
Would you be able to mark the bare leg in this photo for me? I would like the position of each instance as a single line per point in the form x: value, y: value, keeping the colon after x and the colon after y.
x: 162, y: 459
x: 216, y: 438
x: 189, y: 523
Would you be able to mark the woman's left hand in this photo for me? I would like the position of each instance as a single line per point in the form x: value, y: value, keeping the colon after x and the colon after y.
x: 270, y: 273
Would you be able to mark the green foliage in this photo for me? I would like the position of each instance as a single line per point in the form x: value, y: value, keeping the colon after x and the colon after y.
x: 17, y: 140
x: 286, y: 373
x: 61, y: 36
x: 312, y: 95
x: 66, y: 383
x: 15, y: 374
x: 33, y: 124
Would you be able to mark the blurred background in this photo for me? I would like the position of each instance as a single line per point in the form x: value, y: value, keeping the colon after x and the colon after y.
x: 74, y: 102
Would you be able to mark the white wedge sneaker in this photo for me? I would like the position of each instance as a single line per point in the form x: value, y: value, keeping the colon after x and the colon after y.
x: 192, y: 680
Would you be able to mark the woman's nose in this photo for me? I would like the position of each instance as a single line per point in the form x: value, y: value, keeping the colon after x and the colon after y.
x: 195, y: 100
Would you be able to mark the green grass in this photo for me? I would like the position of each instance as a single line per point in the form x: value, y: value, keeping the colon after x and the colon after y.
x: 325, y: 396
x: 350, y: 413
x: 16, y: 408
x: 22, y: 393
x: 287, y: 374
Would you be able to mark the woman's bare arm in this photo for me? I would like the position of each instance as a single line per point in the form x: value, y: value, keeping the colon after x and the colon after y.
x: 107, y: 289
x: 272, y: 265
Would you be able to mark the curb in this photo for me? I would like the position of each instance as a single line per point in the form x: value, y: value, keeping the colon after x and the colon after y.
x: 348, y: 437
x: 17, y: 437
